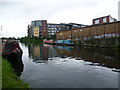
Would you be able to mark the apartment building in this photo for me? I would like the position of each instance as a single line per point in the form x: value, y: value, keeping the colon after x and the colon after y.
x: 38, y: 28
x: 54, y: 28
x: 36, y: 31
x: 30, y: 31
x: 104, y: 19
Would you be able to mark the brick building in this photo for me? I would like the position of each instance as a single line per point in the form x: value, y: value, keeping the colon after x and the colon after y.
x: 53, y: 28
x: 49, y: 29
x: 106, y: 30
x: 36, y: 31
x: 104, y: 19
x: 38, y: 28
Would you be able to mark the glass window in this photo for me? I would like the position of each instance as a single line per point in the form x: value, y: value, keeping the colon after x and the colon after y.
x: 111, y: 19
x: 104, y: 19
x: 52, y: 33
x: 97, y: 21
x: 48, y: 25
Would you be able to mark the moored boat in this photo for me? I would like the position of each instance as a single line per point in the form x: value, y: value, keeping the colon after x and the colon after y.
x: 13, y: 53
x: 64, y: 42
x: 48, y: 41
x: 59, y: 42
x: 11, y: 48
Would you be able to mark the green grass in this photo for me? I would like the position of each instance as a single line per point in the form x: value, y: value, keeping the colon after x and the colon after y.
x: 9, y: 79
x: 0, y: 73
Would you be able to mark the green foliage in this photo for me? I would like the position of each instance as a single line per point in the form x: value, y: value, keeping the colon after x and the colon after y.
x: 31, y: 40
x: 10, y: 38
x: 0, y: 72
x: 117, y: 46
x: 9, y: 79
x: 36, y: 39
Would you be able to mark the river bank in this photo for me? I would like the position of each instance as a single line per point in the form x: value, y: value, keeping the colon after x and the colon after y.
x: 31, y: 40
x: 9, y: 78
x: 106, y: 42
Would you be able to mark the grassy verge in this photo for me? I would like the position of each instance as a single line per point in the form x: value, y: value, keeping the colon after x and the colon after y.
x: 0, y: 73
x: 9, y: 79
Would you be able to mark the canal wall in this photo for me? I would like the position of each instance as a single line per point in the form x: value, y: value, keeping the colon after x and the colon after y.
x: 103, y: 42
x: 103, y: 35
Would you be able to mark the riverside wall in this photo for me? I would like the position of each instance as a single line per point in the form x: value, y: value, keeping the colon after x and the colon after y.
x: 104, y: 35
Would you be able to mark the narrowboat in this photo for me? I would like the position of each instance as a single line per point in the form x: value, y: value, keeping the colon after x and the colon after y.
x: 64, y: 42
x: 13, y: 53
x: 48, y: 41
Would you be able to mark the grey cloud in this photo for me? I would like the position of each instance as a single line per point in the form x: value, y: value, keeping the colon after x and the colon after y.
x: 24, y: 11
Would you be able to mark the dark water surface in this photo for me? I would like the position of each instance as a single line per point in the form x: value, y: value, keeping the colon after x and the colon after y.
x: 47, y: 66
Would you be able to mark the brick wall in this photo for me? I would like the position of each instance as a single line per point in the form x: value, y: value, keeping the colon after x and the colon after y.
x: 108, y: 30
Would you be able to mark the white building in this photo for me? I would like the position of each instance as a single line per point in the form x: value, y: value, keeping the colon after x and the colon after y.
x: 119, y: 11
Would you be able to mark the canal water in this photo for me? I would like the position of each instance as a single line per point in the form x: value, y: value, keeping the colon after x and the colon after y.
x: 47, y: 66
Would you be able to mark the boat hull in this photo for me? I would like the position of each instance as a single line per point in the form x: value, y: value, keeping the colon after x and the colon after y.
x: 15, y: 60
x: 60, y: 43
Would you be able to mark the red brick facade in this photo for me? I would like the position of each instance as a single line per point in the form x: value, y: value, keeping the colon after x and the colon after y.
x: 44, y: 28
x: 102, y: 20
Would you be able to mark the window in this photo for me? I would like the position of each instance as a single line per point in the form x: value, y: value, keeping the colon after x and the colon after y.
x: 111, y: 19
x: 104, y: 19
x: 81, y: 30
x: 48, y: 25
x: 97, y: 21
x: 52, y: 33
x: 44, y: 27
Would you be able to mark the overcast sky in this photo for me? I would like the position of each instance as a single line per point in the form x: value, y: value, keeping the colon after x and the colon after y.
x: 15, y: 15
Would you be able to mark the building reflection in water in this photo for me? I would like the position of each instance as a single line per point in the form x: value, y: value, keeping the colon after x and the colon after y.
x: 98, y: 56
x: 41, y: 53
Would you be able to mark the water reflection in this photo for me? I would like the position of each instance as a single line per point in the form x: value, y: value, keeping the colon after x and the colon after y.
x: 102, y: 56
x: 98, y: 56
x: 70, y: 67
x: 41, y: 53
